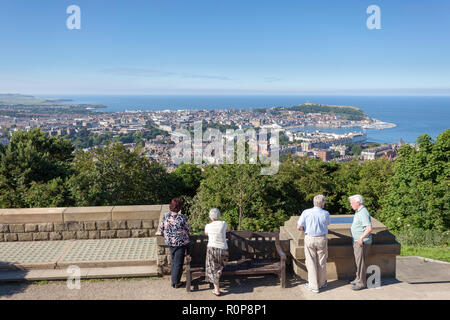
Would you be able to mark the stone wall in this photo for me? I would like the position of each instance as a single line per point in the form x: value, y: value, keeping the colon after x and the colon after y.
x: 164, y: 256
x: 45, y: 224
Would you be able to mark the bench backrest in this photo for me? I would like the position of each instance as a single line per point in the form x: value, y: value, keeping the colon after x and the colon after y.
x: 241, y: 245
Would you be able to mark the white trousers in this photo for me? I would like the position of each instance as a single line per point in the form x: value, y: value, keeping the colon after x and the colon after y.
x: 316, y: 252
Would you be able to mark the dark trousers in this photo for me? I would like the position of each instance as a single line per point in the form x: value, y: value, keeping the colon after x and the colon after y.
x: 177, y: 261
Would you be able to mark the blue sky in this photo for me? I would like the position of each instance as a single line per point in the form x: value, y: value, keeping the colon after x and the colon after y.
x: 225, y: 47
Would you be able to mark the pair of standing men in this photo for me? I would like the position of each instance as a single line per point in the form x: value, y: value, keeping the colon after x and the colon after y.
x: 314, y: 222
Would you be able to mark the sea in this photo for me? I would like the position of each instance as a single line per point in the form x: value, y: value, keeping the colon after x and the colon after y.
x: 413, y: 115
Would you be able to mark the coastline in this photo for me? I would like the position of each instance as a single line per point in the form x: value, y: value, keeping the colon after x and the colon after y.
x: 412, y: 115
x: 376, y: 125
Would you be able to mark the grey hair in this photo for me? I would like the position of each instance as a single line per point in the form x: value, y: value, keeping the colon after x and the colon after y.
x: 214, y: 214
x: 319, y: 200
x: 357, y: 198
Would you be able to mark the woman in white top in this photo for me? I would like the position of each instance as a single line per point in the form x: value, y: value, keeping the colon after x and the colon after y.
x: 217, y: 250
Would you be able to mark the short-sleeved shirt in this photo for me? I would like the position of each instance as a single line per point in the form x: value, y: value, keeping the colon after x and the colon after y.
x: 314, y: 221
x: 217, y: 234
x: 175, y: 228
x: 360, y: 222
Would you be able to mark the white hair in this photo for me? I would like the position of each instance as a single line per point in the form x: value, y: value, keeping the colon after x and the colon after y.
x: 357, y: 198
x: 319, y: 200
x: 214, y: 214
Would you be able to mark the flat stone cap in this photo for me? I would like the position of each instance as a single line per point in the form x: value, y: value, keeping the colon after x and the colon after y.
x: 151, y: 212
x: 31, y: 215
x: 87, y: 213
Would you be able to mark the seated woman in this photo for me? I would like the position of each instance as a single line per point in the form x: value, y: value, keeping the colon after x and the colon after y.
x: 217, y: 250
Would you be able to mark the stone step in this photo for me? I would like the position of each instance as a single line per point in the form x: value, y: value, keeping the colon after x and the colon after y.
x: 103, y: 264
x: 346, y: 251
x: 284, y: 234
x: 339, y: 235
x: 85, y: 273
x: 292, y: 233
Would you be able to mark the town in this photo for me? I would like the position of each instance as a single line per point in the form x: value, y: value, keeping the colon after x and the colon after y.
x: 151, y: 130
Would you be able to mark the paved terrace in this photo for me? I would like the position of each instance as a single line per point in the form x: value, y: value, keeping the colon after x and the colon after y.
x: 112, y: 260
x: 417, y: 278
x: 118, y: 242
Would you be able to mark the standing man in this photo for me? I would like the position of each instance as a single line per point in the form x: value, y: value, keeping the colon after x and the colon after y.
x: 314, y: 222
x: 362, y: 240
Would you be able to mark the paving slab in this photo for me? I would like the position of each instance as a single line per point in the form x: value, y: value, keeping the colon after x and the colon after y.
x: 110, y: 252
x: 83, y: 253
x: 31, y: 254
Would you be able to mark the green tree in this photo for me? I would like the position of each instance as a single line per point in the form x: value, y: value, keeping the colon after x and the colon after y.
x: 302, y: 178
x: 356, y: 150
x: 47, y: 195
x: 188, y: 177
x: 242, y: 195
x: 370, y: 179
x: 29, y: 163
x: 112, y: 175
x: 418, y: 193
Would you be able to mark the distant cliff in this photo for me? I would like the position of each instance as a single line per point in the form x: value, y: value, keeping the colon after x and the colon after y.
x: 18, y: 104
x: 346, y: 112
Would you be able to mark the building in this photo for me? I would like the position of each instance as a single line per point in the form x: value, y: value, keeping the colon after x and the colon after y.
x: 382, y: 151
x: 359, y: 138
x: 339, y: 148
x: 306, y: 146
x: 324, y: 155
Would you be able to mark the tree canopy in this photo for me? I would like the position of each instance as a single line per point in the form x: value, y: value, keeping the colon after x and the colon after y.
x: 30, y: 163
x: 418, y: 193
x: 411, y: 191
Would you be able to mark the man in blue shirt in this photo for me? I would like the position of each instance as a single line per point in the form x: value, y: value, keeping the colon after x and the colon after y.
x: 314, y: 222
x: 362, y: 240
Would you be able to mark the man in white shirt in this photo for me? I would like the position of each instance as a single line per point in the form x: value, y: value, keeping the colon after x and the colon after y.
x: 314, y: 222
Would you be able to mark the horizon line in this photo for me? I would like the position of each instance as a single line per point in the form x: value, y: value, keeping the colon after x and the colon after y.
x: 368, y: 94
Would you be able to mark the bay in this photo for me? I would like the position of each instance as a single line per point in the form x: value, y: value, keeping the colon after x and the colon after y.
x: 413, y: 115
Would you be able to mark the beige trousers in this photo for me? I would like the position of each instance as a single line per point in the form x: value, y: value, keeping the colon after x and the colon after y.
x: 361, y: 254
x: 316, y: 252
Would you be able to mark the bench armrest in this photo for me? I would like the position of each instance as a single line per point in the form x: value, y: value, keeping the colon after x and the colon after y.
x: 280, y: 251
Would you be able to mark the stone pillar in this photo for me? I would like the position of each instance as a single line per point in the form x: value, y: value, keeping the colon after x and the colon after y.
x: 341, y: 262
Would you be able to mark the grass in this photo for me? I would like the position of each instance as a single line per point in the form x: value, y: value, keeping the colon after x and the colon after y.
x: 431, y: 244
x: 436, y: 253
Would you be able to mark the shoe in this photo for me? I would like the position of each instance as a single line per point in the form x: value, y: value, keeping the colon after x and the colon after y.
x: 324, y: 285
x: 353, y: 282
x: 311, y: 289
x: 216, y: 294
x: 356, y: 287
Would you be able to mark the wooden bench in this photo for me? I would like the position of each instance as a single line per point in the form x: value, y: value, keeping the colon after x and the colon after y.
x: 250, y: 253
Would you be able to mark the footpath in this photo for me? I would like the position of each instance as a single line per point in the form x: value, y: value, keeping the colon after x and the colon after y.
x: 126, y: 269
